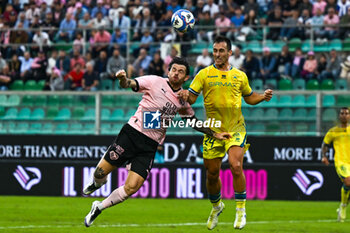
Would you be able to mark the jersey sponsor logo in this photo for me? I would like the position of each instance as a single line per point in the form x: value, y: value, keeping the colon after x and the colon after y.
x: 221, y: 84
x: 223, y: 76
x: 213, y: 76
x: 308, y: 181
x: 27, y: 176
x: 151, y: 120
x: 163, y: 90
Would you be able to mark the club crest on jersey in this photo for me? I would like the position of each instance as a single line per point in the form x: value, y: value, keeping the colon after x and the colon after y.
x: 223, y: 76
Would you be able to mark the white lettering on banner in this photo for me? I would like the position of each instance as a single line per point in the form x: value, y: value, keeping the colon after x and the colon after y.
x: 104, y: 191
x: 8, y: 151
x: 31, y: 151
x: 193, y: 153
x: 188, y: 183
x: 298, y: 153
x: 68, y: 186
x: 167, y: 147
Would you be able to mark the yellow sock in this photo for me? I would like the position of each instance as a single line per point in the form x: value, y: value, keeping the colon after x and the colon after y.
x: 240, y: 204
x: 240, y: 198
x: 215, y: 199
x: 216, y: 204
x: 344, y: 195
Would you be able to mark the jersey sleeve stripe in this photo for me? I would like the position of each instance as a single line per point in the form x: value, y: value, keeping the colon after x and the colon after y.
x: 137, y: 88
x: 248, y: 94
x: 193, y: 91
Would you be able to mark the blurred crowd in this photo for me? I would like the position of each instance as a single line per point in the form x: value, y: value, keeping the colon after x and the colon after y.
x: 103, y: 27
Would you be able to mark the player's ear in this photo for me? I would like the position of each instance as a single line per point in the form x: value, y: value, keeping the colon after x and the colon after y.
x: 186, y: 78
x: 230, y: 52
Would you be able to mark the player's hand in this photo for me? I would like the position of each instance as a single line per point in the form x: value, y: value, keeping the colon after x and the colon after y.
x: 121, y: 75
x: 183, y: 94
x: 222, y: 136
x: 268, y: 94
x: 325, y: 160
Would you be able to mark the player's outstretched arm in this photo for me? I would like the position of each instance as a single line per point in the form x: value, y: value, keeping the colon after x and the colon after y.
x: 208, y: 131
x: 124, y: 81
x: 256, y: 98
x: 325, y: 149
x: 187, y: 96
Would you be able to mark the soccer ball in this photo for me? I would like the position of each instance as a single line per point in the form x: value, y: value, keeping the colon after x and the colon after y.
x: 182, y: 20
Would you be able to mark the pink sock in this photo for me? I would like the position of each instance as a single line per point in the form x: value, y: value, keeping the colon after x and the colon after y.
x: 117, y: 196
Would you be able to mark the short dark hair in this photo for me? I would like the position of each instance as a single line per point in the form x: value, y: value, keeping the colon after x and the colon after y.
x: 180, y: 61
x: 220, y: 39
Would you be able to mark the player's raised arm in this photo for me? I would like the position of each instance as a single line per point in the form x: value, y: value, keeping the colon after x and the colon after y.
x: 256, y: 98
x: 124, y: 81
x: 187, y: 96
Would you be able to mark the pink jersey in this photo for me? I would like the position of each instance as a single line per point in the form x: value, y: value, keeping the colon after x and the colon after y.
x: 158, y: 95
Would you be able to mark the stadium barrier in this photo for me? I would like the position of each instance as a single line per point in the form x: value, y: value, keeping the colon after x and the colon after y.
x: 278, y: 168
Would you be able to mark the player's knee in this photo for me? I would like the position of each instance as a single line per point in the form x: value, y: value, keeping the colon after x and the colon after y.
x: 131, y: 188
x: 347, y: 182
x: 213, y: 176
x: 236, y: 169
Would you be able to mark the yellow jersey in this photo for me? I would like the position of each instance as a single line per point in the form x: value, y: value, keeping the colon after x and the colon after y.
x: 222, y: 92
x: 340, y: 137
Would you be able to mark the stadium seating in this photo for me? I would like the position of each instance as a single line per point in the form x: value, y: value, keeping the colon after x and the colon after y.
x: 299, y: 101
x: 37, y: 114
x: 341, y: 84
x: 286, y: 114
x: 24, y: 114
x: 299, y: 84
x: 285, y: 84
x: 329, y: 115
x: 328, y: 101
x: 327, y: 84
x: 257, y: 84
x: 63, y: 114
x: 312, y: 85
x: 10, y: 114
x: 88, y: 115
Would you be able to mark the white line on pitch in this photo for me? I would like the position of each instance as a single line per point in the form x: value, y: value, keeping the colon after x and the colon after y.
x: 166, y: 224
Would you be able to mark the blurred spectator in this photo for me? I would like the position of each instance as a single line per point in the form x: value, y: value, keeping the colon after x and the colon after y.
x: 173, y: 6
x: 9, y: 11
x: 146, y: 22
x: 13, y: 18
x: 251, y: 65
x: 200, y: 6
x: 189, y: 6
x: 290, y: 28
x: 55, y: 82
x: 263, y: 6
x: 32, y: 11
x: 298, y: 63
x: 99, y: 8
x: 310, y: 66
x: 343, y: 7
x: 85, y: 22
x: 122, y: 22
x: 42, y: 41
x: 184, y: 40
x: 119, y: 39
x: 5, y: 78
x: 26, y: 63
x: 51, y: 62
x: 90, y: 79
x: 272, y: 5
x: 79, y: 11
x: 275, y: 21
x: 156, y: 67
x: 236, y: 60
x: 58, y: 12
x: 158, y: 10
x: 63, y: 62
x: 203, y: 61
x: 22, y: 19
x: 237, y: 21
x: 114, y: 11
x: 18, y: 37
x: 74, y: 78
x: 50, y: 26
x: 303, y: 21
x: 330, y: 20
x: 212, y: 8
x: 35, y: 23
x: 78, y: 42
x: 101, y: 63
x: 249, y: 25
x: 267, y: 65
x: 146, y: 40
x: 169, y: 58
x: 44, y: 10
x: 288, y: 8
x: 15, y: 67
x: 333, y: 66
x: 305, y: 5
x: 67, y: 28
x: 100, y: 21
x: 345, y: 69
x: 249, y: 6
x: 89, y: 58
x: 115, y: 63
x: 77, y: 58
x: 166, y: 21
x: 318, y: 4
x: 315, y: 22
x: 38, y: 68
x: 321, y: 66
x: 344, y: 30
x: 140, y: 65
x: 206, y: 33
x: 332, y: 4
x: 101, y: 39
x: 284, y: 62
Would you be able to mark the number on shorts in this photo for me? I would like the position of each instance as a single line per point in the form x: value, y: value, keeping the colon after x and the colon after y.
x: 209, y: 140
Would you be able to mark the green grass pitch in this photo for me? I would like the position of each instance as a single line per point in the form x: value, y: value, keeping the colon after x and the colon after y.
x: 60, y: 215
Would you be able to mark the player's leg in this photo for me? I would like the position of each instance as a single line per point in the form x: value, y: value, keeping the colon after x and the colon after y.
x: 235, y: 158
x: 213, y: 183
x: 345, y: 191
x: 132, y: 184
x: 102, y: 169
